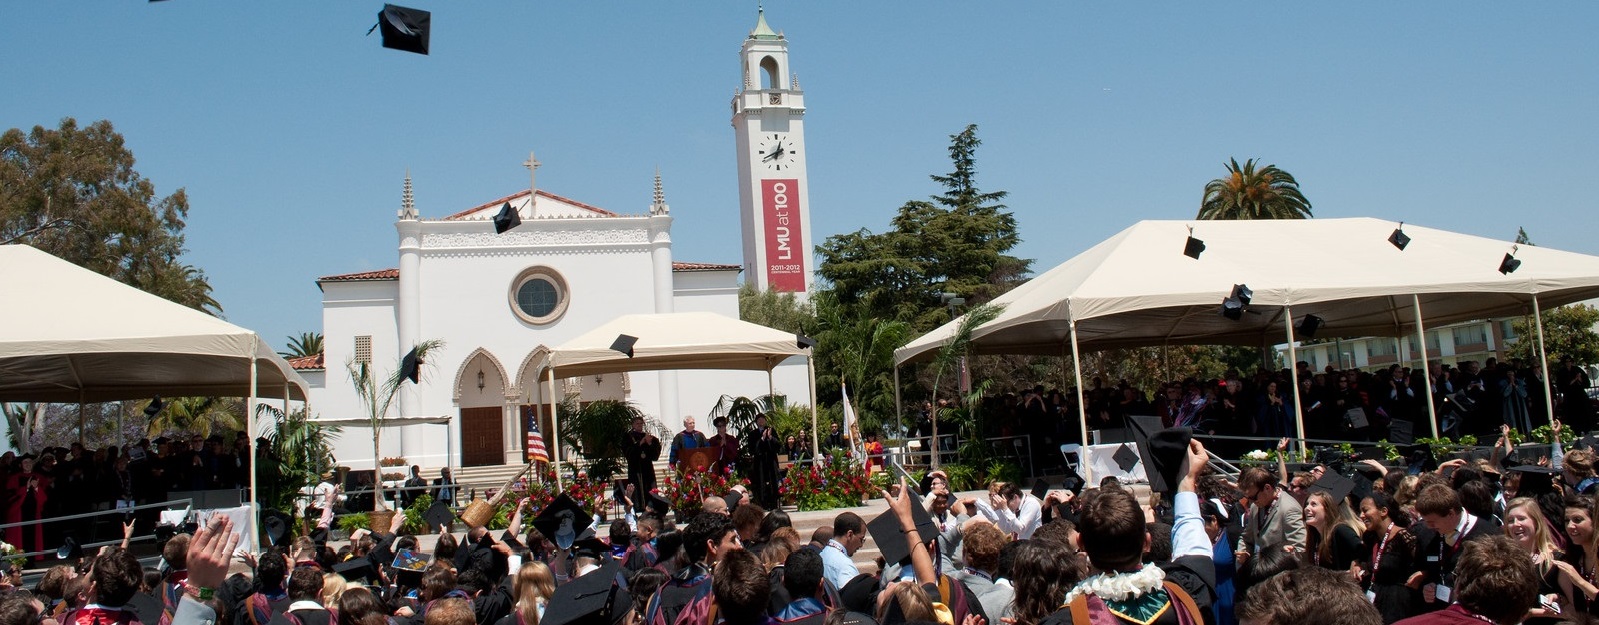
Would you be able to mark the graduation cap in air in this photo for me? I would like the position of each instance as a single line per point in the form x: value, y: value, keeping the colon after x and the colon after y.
x: 562, y: 521
x: 155, y: 407
x: 1418, y: 457
x: 804, y: 342
x: 657, y: 504
x: 624, y: 344
x: 1338, y: 487
x: 411, y: 365
x: 69, y: 549
x: 733, y: 499
x: 354, y: 569
x: 891, y: 541
x: 1193, y: 247
x: 598, y: 598
x: 438, y: 515
x: 1125, y: 458
x: 404, y: 29
x: 277, y: 524
x: 408, y: 566
x: 1040, y: 488
x: 507, y: 219
x: 1535, y: 480
x: 1166, y: 450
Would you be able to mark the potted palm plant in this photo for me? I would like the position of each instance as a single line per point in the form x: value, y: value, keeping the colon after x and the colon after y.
x: 376, y: 399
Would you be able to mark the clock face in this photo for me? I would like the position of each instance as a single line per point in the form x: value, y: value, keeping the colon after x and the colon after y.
x: 777, y: 152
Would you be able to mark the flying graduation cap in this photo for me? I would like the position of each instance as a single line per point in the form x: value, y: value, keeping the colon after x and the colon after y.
x: 404, y: 29
x: 507, y: 219
x: 438, y: 515
x: 624, y: 344
x: 411, y: 366
x: 562, y: 521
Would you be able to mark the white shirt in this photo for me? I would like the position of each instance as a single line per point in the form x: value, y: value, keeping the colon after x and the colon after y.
x: 1021, y: 523
x: 836, y: 564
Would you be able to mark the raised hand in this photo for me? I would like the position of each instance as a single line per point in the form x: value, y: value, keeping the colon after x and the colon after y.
x: 210, y: 552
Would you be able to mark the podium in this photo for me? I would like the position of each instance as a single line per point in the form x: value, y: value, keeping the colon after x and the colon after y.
x: 698, y: 459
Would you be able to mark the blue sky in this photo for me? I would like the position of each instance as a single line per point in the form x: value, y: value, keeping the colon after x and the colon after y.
x: 292, y: 132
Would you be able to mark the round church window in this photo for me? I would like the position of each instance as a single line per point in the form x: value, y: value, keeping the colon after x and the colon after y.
x: 538, y: 295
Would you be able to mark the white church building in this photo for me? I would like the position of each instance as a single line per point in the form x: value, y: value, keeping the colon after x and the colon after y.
x: 499, y: 302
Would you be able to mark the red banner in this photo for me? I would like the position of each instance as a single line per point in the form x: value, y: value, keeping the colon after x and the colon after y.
x: 785, y: 256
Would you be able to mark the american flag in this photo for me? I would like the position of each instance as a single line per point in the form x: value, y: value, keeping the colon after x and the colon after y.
x: 535, y: 440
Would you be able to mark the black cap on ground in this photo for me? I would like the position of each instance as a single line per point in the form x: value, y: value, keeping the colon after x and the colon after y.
x: 411, y: 365
x: 405, y: 29
x: 891, y: 541
x: 507, y: 219
x: 562, y: 520
x: 598, y: 598
x: 624, y: 344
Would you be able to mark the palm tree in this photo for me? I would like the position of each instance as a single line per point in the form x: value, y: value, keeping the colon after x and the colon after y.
x: 196, y: 415
x: 296, y: 454
x: 376, y: 398
x: 1250, y: 193
x: 950, y: 354
x: 308, y: 344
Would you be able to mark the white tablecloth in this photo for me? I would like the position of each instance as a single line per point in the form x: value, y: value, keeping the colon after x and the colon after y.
x: 1099, y: 459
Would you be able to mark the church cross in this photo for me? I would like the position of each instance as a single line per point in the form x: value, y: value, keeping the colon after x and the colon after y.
x: 532, y: 165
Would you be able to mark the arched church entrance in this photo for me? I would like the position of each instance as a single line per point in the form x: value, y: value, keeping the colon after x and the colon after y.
x: 480, y: 393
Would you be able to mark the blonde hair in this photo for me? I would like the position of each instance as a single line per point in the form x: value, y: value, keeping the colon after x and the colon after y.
x: 1543, y: 545
x: 784, y: 541
x: 1336, y: 514
x: 533, y: 586
x: 333, y: 586
x: 913, y: 603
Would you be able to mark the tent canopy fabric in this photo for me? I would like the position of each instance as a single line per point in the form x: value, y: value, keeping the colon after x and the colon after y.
x: 69, y: 335
x: 687, y: 340
x: 1138, y: 289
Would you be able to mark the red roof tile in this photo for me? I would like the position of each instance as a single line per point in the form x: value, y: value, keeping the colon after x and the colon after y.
x: 306, y: 363
x: 380, y: 274
x: 521, y: 194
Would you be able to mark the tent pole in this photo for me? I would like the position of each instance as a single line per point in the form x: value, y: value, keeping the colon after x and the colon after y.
x: 771, y: 386
x: 1293, y: 376
x: 249, y: 420
x: 1426, y: 367
x: 816, y: 440
x: 555, y: 433
x: 1082, y: 408
x: 899, y: 418
x: 81, y: 420
x: 1543, y: 361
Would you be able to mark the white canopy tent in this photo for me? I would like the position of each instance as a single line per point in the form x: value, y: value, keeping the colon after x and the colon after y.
x: 73, y: 335
x: 688, y: 340
x: 1137, y: 288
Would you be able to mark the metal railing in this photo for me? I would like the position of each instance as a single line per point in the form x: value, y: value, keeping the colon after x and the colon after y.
x: 73, y: 517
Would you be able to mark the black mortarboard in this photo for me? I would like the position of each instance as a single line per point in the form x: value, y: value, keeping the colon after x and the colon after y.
x: 891, y: 541
x: 1399, y: 239
x: 411, y: 366
x: 155, y: 407
x: 1193, y: 248
x: 1419, y: 457
x: 507, y: 219
x: 804, y: 342
x: 1168, y: 449
x: 276, y: 524
x: 1535, y: 480
x: 563, y: 518
x: 1040, y: 488
x: 657, y: 504
x: 732, y: 498
x: 69, y: 549
x: 1336, y: 486
x: 589, y: 545
x: 859, y: 593
x: 357, y: 568
x: 145, y: 606
x: 1125, y: 458
x: 598, y: 598
x: 405, y: 29
x: 1364, y: 486
x: 438, y: 515
x: 624, y: 344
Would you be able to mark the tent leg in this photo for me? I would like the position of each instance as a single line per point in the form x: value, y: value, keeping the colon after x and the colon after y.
x: 81, y: 422
x: 899, y: 419
x: 1082, y: 408
x: 1543, y: 361
x: 249, y: 420
x: 1293, y: 376
x: 816, y: 440
x: 771, y: 385
x: 555, y: 433
x: 1426, y: 367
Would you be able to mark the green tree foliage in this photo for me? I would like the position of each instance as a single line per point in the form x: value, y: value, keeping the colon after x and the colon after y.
x: 73, y: 192
x: 198, y: 415
x: 860, y: 353
x: 1567, y: 331
x: 956, y: 243
x: 377, y: 395
x: 296, y: 454
x: 783, y: 311
x: 1522, y: 238
x: 307, y: 344
x: 1249, y: 192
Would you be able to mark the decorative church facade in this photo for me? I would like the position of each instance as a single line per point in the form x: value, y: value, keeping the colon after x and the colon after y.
x: 501, y: 301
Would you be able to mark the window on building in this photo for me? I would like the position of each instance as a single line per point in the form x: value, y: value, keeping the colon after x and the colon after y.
x: 539, y: 295
x: 1508, y: 329
x: 1471, y: 335
x: 363, y: 349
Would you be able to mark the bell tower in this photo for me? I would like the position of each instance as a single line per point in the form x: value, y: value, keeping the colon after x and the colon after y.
x: 774, y: 203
